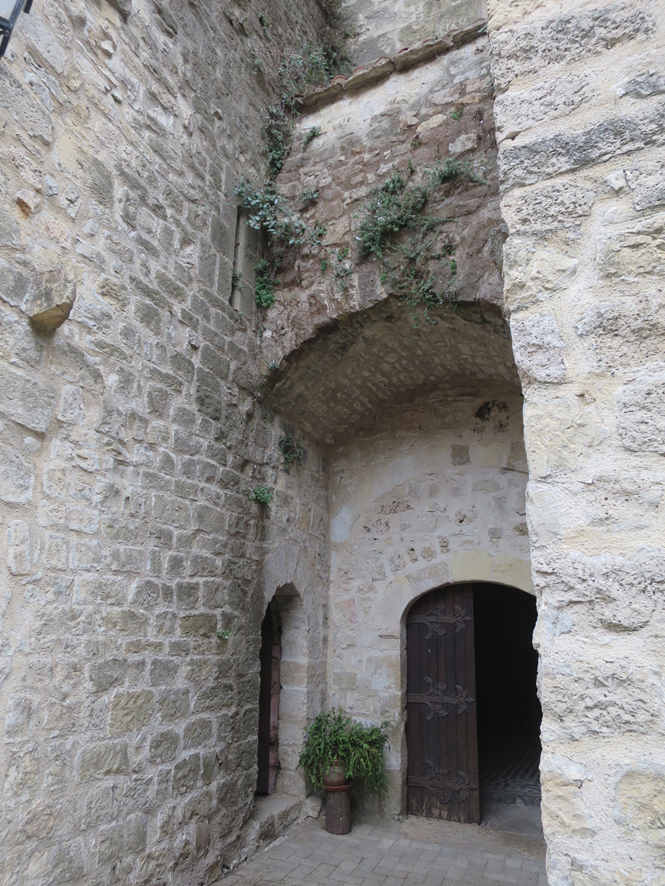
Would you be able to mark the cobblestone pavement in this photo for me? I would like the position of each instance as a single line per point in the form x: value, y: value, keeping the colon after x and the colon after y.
x: 416, y: 852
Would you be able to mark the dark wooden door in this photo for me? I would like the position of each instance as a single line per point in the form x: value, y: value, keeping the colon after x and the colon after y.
x: 441, y: 733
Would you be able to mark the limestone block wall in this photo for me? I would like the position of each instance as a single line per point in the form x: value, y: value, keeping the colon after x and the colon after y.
x: 383, y: 27
x: 131, y: 441
x: 432, y: 493
x: 580, y: 123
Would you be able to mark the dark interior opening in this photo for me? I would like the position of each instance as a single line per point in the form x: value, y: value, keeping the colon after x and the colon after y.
x: 270, y: 657
x: 508, y: 709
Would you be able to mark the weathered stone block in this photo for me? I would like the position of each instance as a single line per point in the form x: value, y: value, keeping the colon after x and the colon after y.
x: 563, y: 152
x: 538, y: 347
x: 25, y: 401
x: 108, y: 758
x: 17, y: 477
x: 130, y: 711
x: 173, y: 704
x: 529, y: 47
x: 198, y: 625
x: 50, y: 300
x: 186, y: 774
x: 641, y: 406
x: 640, y: 804
x: 164, y: 746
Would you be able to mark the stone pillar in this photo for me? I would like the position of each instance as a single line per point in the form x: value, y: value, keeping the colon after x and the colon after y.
x: 580, y: 118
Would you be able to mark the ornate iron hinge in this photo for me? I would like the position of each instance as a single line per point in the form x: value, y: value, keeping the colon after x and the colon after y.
x: 437, y: 621
x: 436, y: 699
x: 441, y: 787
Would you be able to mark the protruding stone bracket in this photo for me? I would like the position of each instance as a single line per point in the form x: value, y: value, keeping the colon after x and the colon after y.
x: 50, y: 300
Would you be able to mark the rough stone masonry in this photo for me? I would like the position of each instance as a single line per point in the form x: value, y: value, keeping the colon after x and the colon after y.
x: 133, y: 433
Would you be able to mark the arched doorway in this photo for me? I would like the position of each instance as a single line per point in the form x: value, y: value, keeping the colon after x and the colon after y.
x: 270, y: 659
x: 473, y: 715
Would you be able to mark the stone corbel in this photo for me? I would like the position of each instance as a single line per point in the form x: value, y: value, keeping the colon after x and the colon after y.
x: 50, y: 300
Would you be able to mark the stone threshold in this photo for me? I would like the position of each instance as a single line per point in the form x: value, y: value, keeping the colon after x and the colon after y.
x: 363, y: 77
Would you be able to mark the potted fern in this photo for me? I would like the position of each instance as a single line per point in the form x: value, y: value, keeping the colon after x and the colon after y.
x: 337, y: 750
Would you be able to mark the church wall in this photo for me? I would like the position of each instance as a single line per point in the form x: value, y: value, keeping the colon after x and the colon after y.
x: 131, y: 441
x: 579, y: 113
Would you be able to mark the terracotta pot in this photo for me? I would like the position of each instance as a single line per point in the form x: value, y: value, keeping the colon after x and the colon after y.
x: 336, y: 774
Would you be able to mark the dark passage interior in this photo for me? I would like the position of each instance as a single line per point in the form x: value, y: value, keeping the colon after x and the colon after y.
x: 270, y: 657
x: 508, y: 709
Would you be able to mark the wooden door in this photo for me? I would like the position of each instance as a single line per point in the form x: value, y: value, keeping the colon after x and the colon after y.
x: 442, y: 777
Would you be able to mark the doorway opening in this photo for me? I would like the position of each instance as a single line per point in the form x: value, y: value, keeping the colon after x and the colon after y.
x: 509, y: 712
x: 270, y: 660
x: 473, y: 715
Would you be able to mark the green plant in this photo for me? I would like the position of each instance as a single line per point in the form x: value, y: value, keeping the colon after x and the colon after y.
x: 341, y: 274
x: 264, y: 288
x: 309, y: 197
x: 457, y: 113
x: 292, y: 449
x: 310, y: 66
x: 262, y: 495
x: 416, y: 142
x: 324, y: 265
x: 310, y: 135
x: 263, y: 23
x: 223, y: 635
x: 236, y: 279
x: 335, y: 736
x: 409, y: 274
x: 449, y: 169
x: 392, y: 206
x: 268, y: 211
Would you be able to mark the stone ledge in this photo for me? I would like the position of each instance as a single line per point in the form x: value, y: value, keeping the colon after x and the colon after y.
x: 406, y: 58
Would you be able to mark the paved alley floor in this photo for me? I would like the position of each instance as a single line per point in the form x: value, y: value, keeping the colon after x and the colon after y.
x: 415, y: 852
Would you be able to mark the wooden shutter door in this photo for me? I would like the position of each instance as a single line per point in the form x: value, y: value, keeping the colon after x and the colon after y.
x: 441, y: 734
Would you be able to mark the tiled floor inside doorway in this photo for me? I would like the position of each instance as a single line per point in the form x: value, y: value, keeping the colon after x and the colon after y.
x: 415, y: 852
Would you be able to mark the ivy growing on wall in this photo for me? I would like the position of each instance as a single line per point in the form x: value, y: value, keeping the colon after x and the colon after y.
x: 396, y: 206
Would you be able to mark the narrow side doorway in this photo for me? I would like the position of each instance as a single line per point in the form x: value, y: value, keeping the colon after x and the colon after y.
x: 270, y: 658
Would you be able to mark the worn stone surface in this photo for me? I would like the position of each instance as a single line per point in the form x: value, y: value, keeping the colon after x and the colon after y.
x: 579, y: 122
x: 130, y: 443
x: 412, y: 117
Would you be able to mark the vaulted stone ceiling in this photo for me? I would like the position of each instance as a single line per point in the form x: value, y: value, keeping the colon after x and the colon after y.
x: 336, y: 383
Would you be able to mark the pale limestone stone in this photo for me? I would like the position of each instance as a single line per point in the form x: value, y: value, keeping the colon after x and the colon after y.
x: 16, y: 477
x: 462, y: 144
x: 640, y: 805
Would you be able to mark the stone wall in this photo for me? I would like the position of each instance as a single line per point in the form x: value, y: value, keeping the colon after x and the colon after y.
x: 131, y: 442
x: 409, y: 117
x: 383, y: 27
x: 432, y: 493
x: 580, y: 123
